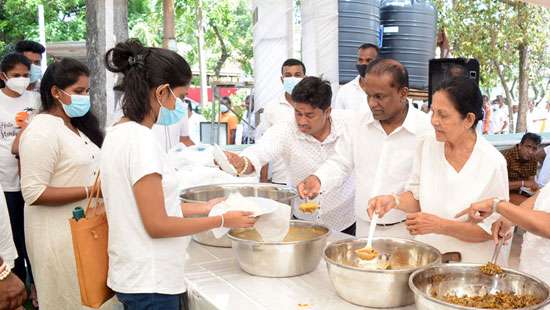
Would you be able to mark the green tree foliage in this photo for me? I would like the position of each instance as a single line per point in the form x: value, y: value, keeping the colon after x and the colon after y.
x: 498, y: 33
x: 65, y: 21
x: 228, y: 26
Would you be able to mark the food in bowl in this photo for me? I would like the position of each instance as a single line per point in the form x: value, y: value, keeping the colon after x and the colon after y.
x: 491, y: 269
x: 366, y: 253
x: 309, y: 207
x: 295, y: 233
x: 500, y: 300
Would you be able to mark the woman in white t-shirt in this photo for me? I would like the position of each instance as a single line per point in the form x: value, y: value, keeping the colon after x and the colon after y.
x: 147, y: 223
x: 533, y: 215
x: 452, y: 170
x: 15, y: 102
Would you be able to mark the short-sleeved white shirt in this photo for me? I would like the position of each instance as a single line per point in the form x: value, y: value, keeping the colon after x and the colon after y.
x: 9, y: 107
x: 352, y: 97
x: 137, y: 262
x: 169, y: 136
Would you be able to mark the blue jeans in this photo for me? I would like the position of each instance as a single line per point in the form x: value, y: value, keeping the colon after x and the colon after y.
x: 151, y: 301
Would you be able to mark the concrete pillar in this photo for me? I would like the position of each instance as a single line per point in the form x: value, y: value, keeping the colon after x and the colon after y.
x: 272, y: 46
x: 320, y: 40
x: 107, y: 24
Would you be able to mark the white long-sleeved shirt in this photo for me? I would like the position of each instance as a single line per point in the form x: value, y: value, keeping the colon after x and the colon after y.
x: 352, y: 97
x: 301, y: 155
x: 276, y: 112
x: 381, y: 163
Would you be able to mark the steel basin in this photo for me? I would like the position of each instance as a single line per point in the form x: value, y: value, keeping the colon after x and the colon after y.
x: 280, y: 259
x: 281, y: 193
x: 374, y: 287
x: 466, y: 279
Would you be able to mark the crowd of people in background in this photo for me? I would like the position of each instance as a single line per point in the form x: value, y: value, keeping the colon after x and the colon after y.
x: 52, y: 149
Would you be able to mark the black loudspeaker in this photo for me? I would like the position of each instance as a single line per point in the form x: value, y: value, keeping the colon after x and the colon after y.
x: 446, y: 68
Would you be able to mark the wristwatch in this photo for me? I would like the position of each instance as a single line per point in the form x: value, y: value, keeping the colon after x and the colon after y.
x: 496, y: 201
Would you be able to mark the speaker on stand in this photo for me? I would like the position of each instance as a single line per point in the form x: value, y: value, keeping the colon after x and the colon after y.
x: 446, y: 68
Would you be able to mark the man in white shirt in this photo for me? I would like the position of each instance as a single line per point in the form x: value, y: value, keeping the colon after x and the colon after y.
x: 281, y: 110
x: 304, y: 144
x: 248, y: 121
x: 500, y: 116
x: 380, y: 150
x: 352, y: 95
x: 33, y: 51
x: 170, y: 136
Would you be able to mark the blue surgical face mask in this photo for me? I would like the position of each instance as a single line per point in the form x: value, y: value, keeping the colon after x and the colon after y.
x: 169, y: 117
x: 79, y: 106
x: 289, y: 83
x: 36, y: 73
x: 223, y: 108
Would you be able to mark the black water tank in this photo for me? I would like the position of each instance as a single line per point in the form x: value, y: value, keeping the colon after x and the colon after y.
x: 358, y: 23
x: 409, y: 36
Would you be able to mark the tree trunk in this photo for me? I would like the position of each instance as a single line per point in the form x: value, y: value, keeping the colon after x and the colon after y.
x: 523, y: 49
x: 225, y: 53
x: 169, y: 31
x: 523, y: 87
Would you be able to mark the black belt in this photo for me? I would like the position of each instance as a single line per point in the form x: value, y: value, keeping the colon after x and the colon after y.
x: 391, y: 224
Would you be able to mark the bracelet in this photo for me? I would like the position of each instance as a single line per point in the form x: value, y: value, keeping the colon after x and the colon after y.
x: 5, y: 271
x: 245, y: 167
x: 87, y: 192
x: 396, y: 199
x: 223, y: 221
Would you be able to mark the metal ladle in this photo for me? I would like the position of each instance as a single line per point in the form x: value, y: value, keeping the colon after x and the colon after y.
x: 496, y: 276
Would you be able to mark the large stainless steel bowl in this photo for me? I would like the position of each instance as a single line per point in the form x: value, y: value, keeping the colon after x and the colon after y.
x: 280, y: 193
x: 281, y: 259
x: 374, y: 287
x: 466, y: 279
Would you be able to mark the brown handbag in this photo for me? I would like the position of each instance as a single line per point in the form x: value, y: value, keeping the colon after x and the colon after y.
x: 90, y: 239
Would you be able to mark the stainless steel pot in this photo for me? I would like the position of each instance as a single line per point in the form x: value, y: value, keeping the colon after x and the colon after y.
x: 466, y: 279
x: 280, y: 193
x: 280, y: 259
x: 374, y: 287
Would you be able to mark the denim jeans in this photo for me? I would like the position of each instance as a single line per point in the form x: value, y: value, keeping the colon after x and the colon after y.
x: 151, y: 301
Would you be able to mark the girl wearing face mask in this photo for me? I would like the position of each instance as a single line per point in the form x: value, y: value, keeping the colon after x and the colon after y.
x: 147, y: 223
x: 59, y: 154
x: 14, y: 99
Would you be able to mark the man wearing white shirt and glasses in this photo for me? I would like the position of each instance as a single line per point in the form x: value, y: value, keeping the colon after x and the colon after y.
x: 379, y: 151
x: 303, y: 145
x: 352, y: 95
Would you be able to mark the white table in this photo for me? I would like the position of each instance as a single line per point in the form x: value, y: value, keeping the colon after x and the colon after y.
x: 215, y: 281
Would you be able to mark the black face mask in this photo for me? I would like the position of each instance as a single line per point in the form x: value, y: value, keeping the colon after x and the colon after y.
x: 361, y: 69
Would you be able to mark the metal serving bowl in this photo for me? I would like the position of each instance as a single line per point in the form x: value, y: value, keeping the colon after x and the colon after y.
x: 281, y: 259
x: 375, y: 287
x: 280, y: 193
x: 466, y: 279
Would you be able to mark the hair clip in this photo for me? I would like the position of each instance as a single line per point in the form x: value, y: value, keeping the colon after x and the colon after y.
x: 137, y: 60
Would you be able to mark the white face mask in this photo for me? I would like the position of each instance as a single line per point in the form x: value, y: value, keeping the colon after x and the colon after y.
x: 18, y: 84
